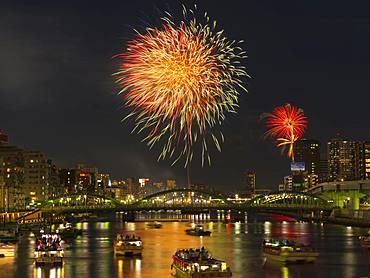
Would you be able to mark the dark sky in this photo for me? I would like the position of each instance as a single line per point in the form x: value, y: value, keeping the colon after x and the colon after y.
x: 57, y: 93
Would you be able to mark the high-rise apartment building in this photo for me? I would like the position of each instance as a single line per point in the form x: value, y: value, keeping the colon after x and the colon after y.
x: 308, y: 151
x: 41, y: 177
x: 11, y: 194
x: 366, y: 160
x: 344, y: 160
x: 250, y: 182
x: 11, y: 178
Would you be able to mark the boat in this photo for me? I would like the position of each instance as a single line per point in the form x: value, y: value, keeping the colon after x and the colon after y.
x: 9, y: 235
x: 48, y: 250
x: 288, y: 251
x: 7, y: 249
x: 196, y: 263
x: 365, y: 241
x: 69, y: 232
x: 154, y: 225
x: 198, y: 231
x: 126, y: 245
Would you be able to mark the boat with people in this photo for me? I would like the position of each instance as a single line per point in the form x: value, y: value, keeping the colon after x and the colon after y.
x: 198, y: 231
x: 196, y: 263
x: 154, y: 225
x: 48, y: 250
x: 67, y: 231
x: 288, y: 251
x: 364, y: 241
x: 128, y: 245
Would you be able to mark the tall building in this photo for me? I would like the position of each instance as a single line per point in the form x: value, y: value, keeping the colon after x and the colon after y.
x: 324, y: 168
x: 86, y: 178
x: 11, y: 178
x: 287, y: 185
x: 36, y: 185
x: 344, y: 160
x: 171, y: 184
x: 308, y: 151
x: 133, y: 186
x: 250, y: 182
x: 11, y: 194
x: 68, y: 180
x: 103, y: 182
x: 366, y: 160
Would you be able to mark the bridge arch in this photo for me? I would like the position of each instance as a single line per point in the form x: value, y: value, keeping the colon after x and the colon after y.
x: 289, y: 199
x: 182, y: 197
x: 80, y: 200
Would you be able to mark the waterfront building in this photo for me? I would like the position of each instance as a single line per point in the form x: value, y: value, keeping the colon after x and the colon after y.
x: 12, y: 173
x: 170, y: 184
x: 35, y: 176
x: 158, y: 186
x: 86, y: 178
x: 307, y: 153
x: 287, y: 184
x: 344, y: 160
x: 68, y: 180
x: 250, y: 182
x: 324, y: 168
x: 11, y: 193
x: 366, y: 160
x: 103, y: 182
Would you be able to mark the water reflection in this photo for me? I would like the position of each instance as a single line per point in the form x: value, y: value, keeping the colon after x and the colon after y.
x: 42, y: 272
x: 91, y: 255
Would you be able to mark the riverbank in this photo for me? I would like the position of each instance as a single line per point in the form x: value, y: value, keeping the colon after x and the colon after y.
x: 349, y: 217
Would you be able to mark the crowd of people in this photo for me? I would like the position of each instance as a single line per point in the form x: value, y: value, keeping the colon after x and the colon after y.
x: 193, y: 254
x: 127, y: 237
x: 49, y: 242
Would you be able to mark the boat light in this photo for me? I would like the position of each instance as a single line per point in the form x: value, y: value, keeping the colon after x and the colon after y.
x: 223, y: 266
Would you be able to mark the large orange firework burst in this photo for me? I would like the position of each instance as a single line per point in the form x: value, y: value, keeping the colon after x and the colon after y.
x: 179, y: 81
x: 286, y: 124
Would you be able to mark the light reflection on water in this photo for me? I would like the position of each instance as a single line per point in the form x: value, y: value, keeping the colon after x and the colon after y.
x: 240, y: 244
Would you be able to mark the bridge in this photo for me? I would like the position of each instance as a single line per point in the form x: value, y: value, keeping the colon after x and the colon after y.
x: 185, y: 200
x: 343, y: 194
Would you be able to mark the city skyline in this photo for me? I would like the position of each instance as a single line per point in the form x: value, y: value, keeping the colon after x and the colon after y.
x: 65, y: 104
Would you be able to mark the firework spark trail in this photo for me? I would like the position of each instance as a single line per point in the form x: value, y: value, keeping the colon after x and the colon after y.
x: 286, y: 124
x: 180, y: 81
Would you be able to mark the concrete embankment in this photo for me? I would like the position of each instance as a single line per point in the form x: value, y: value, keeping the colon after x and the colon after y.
x: 349, y: 217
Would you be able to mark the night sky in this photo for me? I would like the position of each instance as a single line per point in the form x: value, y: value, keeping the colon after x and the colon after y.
x: 57, y: 93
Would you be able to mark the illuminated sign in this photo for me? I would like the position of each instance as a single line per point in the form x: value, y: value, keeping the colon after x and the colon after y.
x: 297, y: 166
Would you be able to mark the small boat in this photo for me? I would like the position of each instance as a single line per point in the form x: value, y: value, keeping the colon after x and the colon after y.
x: 154, y: 225
x: 69, y: 232
x: 7, y: 249
x: 196, y: 263
x: 198, y: 231
x: 128, y: 245
x: 48, y: 250
x: 9, y: 235
x: 365, y: 241
x: 288, y: 251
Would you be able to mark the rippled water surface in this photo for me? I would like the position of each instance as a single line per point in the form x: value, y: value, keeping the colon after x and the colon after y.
x: 91, y: 255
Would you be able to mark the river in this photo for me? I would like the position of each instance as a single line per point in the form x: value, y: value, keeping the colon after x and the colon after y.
x: 91, y: 255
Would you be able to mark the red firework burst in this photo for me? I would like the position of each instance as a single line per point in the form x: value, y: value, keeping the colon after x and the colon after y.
x: 286, y: 124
